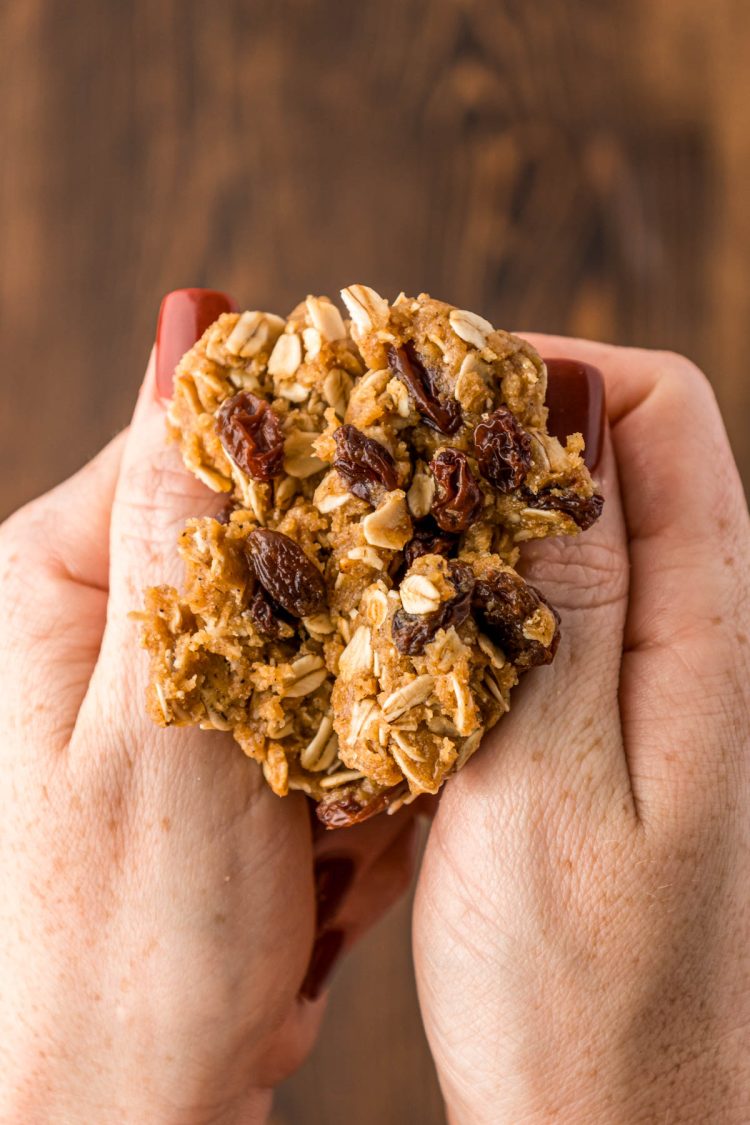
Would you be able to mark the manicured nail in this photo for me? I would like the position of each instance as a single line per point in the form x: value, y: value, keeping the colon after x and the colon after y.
x: 324, y: 955
x: 427, y: 806
x: 184, y: 316
x: 333, y: 878
x: 317, y: 829
x: 575, y: 397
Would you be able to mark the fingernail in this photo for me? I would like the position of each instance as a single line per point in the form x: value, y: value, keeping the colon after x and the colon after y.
x: 575, y: 397
x: 427, y: 806
x: 317, y: 830
x: 333, y: 878
x: 324, y: 955
x: 184, y: 316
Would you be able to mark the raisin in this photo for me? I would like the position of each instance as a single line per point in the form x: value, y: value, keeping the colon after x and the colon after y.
x: 504, y: 602
x: 429, y: 540
x: 285, y: 572
x: 502, y: 449
x: 348, y: 806
x: 458, y: 497
x: 583, y: 510
x: 364, y: 463
x: 224, y: 515
x: 251, y: 436
x: 412, y: 631
x: 439, y: 412
x: 267, y: 617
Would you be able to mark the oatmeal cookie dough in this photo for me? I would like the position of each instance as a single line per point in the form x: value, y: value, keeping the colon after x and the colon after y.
x: 353, y: 616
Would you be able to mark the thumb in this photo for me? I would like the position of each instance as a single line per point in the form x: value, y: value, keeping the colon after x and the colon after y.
x: 567, y: 715
x: 155, y: 494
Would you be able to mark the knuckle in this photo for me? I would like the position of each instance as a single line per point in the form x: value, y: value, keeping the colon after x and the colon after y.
x: 593, y: 575
x: 28, y: 576
x: 683, y: 374
x: 156, y: 495
x: 22, y: 539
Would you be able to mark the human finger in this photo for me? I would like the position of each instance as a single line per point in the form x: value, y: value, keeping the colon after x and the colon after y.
x: 154, y: 494
x: 343, y: 857
x: 374, y: 883
x: 54, y: 557
x: 566, y: 715
x: 687, y: 529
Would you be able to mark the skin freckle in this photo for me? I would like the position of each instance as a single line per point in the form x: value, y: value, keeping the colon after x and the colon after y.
x: 728, y: 561
x: 166, y: 823
x: 741, y: 638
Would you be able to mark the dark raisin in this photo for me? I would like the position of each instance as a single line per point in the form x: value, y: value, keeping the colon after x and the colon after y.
x: 267, y: 617
x: 350, y: 806
x: 285, y: 572
x: 438, y: 411
x: 412, y: 631
x: 502, y: 449
x: 364, y: 463
x: 224, y: 514
x: 429, y: 540
x: 504, y: 602
x: 583, y: 510
x: 251, y: 435
x: 458, y: 497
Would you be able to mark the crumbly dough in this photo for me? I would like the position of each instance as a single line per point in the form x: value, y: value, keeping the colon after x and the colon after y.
x: 406, y: 454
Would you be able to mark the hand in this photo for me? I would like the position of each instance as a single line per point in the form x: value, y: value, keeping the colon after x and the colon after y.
x: 582, y: 925
x: 157, y: 901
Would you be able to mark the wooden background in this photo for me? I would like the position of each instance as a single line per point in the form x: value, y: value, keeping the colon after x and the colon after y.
x: 568, y: 165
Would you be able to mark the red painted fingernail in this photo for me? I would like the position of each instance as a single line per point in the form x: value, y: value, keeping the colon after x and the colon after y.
x: 427, y: 806
x: 184, y: 316
x: 575, y: 397
x: 316, y: 828
x: 333, y: 878
x: 324, y: 956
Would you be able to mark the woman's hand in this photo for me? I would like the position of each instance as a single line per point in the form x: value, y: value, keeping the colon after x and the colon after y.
x: 157, y: 901
x: 582, y: 927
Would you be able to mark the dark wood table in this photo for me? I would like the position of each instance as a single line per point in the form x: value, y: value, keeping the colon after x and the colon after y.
x: 568, y: 165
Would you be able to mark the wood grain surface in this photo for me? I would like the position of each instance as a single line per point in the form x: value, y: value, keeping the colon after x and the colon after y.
x: 565, y: 165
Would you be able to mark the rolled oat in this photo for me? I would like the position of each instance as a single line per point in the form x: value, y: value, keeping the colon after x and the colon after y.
x: 366, y: 671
